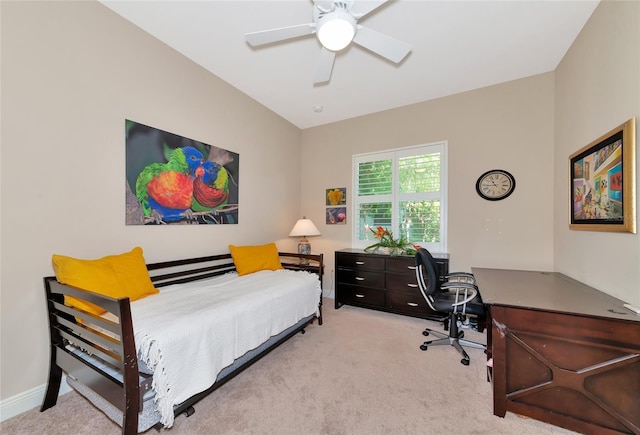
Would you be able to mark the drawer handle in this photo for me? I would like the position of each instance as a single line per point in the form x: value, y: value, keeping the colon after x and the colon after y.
x: 359, y: 296
x: 359, y: 279
x: 412, y: 304
x: 412, y: 285
x: 359, y: 263
x: 411, y: 267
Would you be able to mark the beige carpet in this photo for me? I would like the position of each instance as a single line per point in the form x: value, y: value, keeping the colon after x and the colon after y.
x: 362, y: 372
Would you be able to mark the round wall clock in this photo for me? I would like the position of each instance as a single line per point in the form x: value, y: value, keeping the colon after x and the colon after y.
x: 495, y: 185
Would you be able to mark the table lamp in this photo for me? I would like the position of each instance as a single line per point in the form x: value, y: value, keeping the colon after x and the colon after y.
x: 304, y: 228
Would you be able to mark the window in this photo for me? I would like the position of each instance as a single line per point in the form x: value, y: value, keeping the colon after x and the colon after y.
x: 405, y: 191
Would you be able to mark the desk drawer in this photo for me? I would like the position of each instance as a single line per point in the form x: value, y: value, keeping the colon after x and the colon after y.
x: 360, y: 278
x: 362, y: 296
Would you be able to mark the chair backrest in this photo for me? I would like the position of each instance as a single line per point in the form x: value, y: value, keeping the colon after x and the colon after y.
x: 425, y: 264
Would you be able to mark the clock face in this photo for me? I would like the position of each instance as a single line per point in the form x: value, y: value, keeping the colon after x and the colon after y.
x: 495, y: 185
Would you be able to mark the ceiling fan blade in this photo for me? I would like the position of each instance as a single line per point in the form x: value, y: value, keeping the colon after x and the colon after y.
x: 360, y: 8
x: 325, y: 66
x: 381, y: 44
x: 279, y: 34
x: 324, y: 5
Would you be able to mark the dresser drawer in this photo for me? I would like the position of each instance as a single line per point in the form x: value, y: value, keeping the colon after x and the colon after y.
x: 361, y: 277
x: 402, y: 282
x: 407, y: 267
x: 362, y: 296
x: 412, y: 304
x: 361, y: 262
x: 382, y: 282
x: 401, y: 265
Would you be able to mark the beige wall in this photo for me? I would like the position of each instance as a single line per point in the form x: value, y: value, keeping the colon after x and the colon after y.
x: 71, y: 73
x: 507, y: 126
x: 597, y: 89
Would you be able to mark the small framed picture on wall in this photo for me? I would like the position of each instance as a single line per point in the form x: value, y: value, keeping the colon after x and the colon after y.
x: 336, y: 196
x: 336, y: 215
x: 336, y: 200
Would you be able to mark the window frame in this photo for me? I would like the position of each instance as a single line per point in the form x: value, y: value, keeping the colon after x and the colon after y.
x: 396, y: 197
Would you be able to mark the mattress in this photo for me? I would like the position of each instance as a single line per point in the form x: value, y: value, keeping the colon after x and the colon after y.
x: 189, y: 332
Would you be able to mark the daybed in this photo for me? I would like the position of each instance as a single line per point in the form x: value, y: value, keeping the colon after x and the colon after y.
x: 127, y: 372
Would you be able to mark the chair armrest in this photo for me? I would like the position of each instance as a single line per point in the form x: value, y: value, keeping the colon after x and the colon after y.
x: 468, y: 298
x: 458, y: 284
x: 461, y: 276
x: 470, y: 291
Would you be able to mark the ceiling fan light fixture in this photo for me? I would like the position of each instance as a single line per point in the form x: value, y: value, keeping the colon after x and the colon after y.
x: 335, y: 24
x: 336, y: 30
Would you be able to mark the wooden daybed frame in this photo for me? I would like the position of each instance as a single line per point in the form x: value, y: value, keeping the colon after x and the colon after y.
x: 125, y: 392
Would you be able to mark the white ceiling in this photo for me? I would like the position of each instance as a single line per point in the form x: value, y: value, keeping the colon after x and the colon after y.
x: 457, y: 46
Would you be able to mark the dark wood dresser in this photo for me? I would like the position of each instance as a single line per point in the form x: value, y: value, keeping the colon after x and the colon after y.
x: 382, y: 282
x: 562, y: 352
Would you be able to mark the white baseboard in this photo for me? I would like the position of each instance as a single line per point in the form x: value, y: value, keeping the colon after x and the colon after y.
x: 27, y: 400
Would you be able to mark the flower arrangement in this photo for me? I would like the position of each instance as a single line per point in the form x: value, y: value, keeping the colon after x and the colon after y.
x: 388, y: 243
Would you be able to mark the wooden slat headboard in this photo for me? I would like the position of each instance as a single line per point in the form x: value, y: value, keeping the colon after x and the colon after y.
x: 116, y: 349
x: 181, y: 271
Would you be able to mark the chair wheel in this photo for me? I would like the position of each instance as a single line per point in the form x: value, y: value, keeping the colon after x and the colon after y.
x: 425, y: 333
x: 464, y: 361
x: 423, y: 347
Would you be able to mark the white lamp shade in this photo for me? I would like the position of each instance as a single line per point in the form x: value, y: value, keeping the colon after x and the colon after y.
x: 336, y: 30
x: 304, y: 227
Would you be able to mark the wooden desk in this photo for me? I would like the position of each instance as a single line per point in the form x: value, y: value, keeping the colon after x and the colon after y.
x: 563, y: 352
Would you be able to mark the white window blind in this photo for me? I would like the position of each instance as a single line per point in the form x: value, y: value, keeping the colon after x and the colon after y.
x: 403, y: 190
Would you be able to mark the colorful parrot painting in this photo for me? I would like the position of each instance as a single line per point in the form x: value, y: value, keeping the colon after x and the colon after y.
x: 165, y: 190
x: 210, y: 190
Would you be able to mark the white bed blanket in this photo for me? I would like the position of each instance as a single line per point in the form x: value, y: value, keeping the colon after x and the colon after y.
x: 189, y: 332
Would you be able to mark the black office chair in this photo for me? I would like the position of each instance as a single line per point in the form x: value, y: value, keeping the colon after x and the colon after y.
x: 457, y: 296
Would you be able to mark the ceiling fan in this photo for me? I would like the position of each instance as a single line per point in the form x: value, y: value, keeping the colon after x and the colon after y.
x: 335, y: 23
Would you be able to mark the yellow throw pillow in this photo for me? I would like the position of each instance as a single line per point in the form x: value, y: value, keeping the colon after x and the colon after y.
x: 249, y: 259
x: 116, y: 276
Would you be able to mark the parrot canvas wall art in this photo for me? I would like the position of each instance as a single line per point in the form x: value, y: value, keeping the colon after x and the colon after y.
x: 173, y: 180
